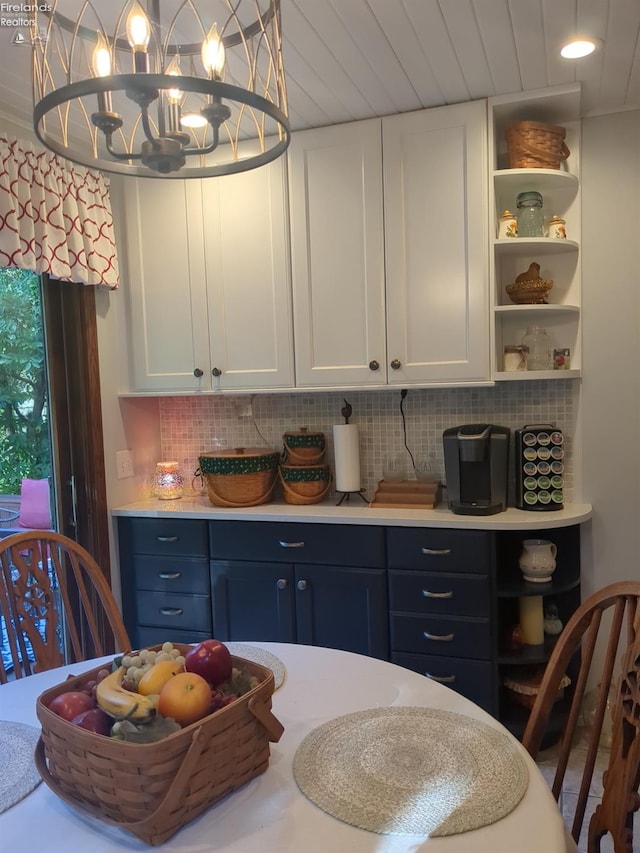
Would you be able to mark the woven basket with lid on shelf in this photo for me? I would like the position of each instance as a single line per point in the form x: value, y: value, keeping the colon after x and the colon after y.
x: 304, y: 447
x: 535, y: 145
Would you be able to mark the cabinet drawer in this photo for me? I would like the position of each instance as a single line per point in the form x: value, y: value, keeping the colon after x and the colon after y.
x: 440, y: 594
x: 171, y: 536
x: 466, y: 637
x: 473, y: 679
x: 187, y: 612
x: 468, y: 551
x: 172, y: 574
x: 334, y: 544
x: 144, y: 637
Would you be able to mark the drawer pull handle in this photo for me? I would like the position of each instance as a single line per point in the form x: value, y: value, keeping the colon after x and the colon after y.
x: 167, y: 538
x: 442, y: 637
x: 427, y: 594
x: 171, y: 611
x: 281, y: 583
x: 302, y: 585
x: 169, y: 576
x: 443, y: 679
x: 436, y: 552
x: 284, y: 544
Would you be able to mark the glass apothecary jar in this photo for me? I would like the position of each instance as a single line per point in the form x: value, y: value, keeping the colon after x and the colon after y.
x: 540, y: 345
x: 530, y: 216
x: 168, y: 481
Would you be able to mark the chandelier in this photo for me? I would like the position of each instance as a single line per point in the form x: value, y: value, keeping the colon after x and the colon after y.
x: 172, y: 88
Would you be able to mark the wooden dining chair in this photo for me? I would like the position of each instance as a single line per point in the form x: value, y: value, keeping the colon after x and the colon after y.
x: 56, y: 604
x: 604, y: 628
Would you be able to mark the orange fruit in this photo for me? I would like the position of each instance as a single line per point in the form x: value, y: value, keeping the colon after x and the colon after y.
x: 186, y: 697
x: 155, y: 678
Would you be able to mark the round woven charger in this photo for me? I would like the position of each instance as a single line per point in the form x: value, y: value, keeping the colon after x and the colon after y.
x: 19, y: 774
x: 411, y: 771
x: 261, y: 656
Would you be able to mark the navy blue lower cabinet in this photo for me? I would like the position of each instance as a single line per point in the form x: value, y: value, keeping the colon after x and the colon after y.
x: 337, y: 607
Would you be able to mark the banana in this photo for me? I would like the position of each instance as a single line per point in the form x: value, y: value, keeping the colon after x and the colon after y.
x: 123, y: 704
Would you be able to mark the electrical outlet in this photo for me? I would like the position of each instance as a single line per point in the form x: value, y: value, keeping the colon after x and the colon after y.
x: 244, y: 407
x: 124, y: 464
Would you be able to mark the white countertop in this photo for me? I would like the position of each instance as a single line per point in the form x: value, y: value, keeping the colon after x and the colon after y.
x: 357, y: 512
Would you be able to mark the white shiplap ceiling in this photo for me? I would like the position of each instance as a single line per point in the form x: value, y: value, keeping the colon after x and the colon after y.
x: 354, y: 59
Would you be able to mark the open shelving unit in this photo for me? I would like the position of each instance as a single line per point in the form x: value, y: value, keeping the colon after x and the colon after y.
x: 559, y: 259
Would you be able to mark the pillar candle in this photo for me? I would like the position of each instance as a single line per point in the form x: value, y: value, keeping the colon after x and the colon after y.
x: 532, y: 620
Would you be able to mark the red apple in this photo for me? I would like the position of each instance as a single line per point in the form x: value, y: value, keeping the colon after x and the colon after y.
x: 211, y: 659
x: 69, y: 705
x: 94, y: 720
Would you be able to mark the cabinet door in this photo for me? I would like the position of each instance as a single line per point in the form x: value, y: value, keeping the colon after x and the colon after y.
x: 435, y: 191
x: 248, y: 275
x: 343, y: 608
x: 168, y: 328
x: 252, y: 601
x: 338, y: 255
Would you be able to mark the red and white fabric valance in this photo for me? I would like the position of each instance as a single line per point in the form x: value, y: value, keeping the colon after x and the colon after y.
x: 55, y: 217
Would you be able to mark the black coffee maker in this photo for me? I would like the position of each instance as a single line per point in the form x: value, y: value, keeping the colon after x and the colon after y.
x: 476, y: 460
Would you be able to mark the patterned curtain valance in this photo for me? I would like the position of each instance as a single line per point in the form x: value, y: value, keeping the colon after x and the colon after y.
x: 55, y: 217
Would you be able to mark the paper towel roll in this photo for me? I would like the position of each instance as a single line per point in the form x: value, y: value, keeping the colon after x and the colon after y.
x: 346, y: 444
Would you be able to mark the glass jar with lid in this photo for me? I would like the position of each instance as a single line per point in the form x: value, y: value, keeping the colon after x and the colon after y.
x: 540, y: 345
x: 530, y: 217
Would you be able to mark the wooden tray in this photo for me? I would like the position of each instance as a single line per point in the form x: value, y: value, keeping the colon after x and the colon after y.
x: 405, y: 494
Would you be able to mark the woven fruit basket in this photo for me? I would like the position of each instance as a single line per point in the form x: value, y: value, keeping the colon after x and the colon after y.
x: 240, y: 477
x: 534, y: 145
x: 305, y: 485
x: 153, y: 789
x: 304, y: 447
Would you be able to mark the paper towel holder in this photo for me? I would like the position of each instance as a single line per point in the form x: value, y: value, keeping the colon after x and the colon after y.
x: 346, y: 413
x: 347, y: 495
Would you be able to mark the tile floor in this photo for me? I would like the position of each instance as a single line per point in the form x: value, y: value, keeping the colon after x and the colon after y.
x: 571, y: 787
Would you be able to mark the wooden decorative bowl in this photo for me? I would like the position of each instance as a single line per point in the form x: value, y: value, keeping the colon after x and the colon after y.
x: 532, y: 292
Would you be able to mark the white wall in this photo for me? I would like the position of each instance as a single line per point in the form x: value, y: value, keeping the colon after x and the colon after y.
x: 611, y: 347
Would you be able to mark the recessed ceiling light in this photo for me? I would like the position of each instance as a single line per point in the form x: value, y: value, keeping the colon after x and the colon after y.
x: 578, y: 48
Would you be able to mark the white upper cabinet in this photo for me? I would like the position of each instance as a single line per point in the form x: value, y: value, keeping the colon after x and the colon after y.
x: 337, y: 254
x: 209, y: 282
x: 389, y: 251
x: 435, y: 193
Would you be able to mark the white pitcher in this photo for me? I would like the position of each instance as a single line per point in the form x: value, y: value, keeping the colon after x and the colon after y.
x: 538, y: 560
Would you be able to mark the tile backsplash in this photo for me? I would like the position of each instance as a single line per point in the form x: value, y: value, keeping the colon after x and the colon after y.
x: 190, y: 426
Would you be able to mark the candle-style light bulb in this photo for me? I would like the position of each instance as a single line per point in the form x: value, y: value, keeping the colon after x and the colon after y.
x: 138, y: 28
x: 213, y: 53
x: 174, y: 96
x: 101, y: 58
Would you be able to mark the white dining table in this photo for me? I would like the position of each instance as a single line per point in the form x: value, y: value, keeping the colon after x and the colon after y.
x: 270, y: 814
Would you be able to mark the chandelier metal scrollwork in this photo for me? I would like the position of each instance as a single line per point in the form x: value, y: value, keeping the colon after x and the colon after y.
x: 173, y: 88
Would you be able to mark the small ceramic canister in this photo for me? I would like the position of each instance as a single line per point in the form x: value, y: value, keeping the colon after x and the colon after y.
x: 507, y: 225
x: 557, y: 227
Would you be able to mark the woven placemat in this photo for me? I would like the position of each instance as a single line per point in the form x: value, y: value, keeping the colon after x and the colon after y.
x: 261, y: 656
x: 411, y: 771
x: 19, y: 775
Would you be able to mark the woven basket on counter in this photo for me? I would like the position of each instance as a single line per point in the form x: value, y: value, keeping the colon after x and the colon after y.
x: 240, y: 477
x: 534, y: 145
x: 304, y: 447
x: 154, y: 789
x: 305, y: 485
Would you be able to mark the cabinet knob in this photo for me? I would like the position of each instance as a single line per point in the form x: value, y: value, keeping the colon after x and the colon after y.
x: 302, y: 585
x: 216, y: 372
x: 396, y: 364
x: 374, y: 365
x: 198, y: 373
x: 281, y: 583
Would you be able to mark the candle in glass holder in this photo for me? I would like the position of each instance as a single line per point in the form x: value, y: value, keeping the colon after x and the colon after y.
x: 532, y: 620
x: 168, y: 481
